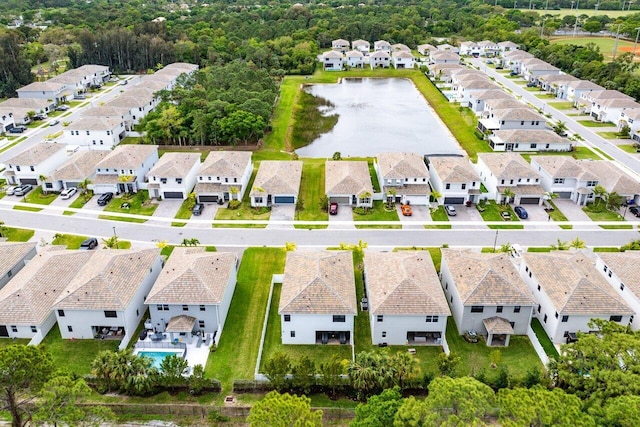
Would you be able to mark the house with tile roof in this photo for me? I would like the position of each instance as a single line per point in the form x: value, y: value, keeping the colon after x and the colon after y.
x: 444, y: 57
x: 575, y: 89
x: 39, y: 160
x: 382, y: 45
x: 348, y: 183
x: 355, y: 59
x: 223, y: 175
x: 507, y: 46
x: 380, y: 59
x: 528, y: 140
x: 426, y: 49
x: 502, y: 171
x: 318, y: 298
x: 197, y: 284
x: 478, y: 99
x: 139, y: 100
x: 620, y: 269
x: 98, y: 133
x: 406, y: 303
x: 570, y: 292
x: 488, y: 48
x: 332, y: 60
x: 125, y: 169
x: 78, y: 80
x: 533, y: 67
x: 14, y: 256
x: 555, y: 83
x: 441, y: 73
x: 446, y: 47
x: 78, y: 168
x: 105, y: 299
x: 362, y: 46
x: 469, y: 48
x: 513, y: 60
x: 277, y: 183
x: 403, y: 177
x: 471, y: 84
x: 340, y: 45
x: 630, y: 118
x: 591, y: 102
x: 173, y: 176
x: 511, y: 118
x: 455, y: 179
x: 486, y: 294
x: 20, y: 108
x: 111, y: 111
x: 609, y: 110
x: 7, y: 121
x: 402, y: 59
x: 51, y: 91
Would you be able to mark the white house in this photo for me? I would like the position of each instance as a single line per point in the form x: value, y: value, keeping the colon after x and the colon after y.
x: 51, y: 91
x: 117, y: 112
x: 20, y: 107
x: 511, y: 118
x: 478, y: 99
x: 405, y: 175
x: 620, y: 269
x: 513, y: 60
x: 105, y: 299
x: 593, y: 99
x: 555, y: 83
x: 486, y: 294
x: 78, y: 168
x: 488, y: 48
x: 14, y: 256
x: 532, y: 68
x: 340, y: 45
x: 332, y: 60
x: 99, y: 133
x: 467, y: 86
x: 630, y: 118
x: 277, y: 183
x: 79, y: 79
x: 39, y: 160
x: 318, y: 298
x: 402, y: 59
x: 469, y: 48
x: 570, y: 292
x: 502, y: 171
x: 26, y: 302
x: 528, y: 140
x: 382, y: 45
x: 355, y: 59
x: 173, y: 176
x: 446, y: 47
x: 379, y: 59
x: 455, y: 179
x: 138, y: 100
x: 575, y: 89
x: 426, y: 49
x: 223, y: 175
x: 348, y: 183
x: 124, y: 169
x: 406, y: 302
x: 6, y: 120
x: 197, y: 284
x: 507, y: 46
x: 361, y: 46
x: 609, y: 110
x: 444, y: 57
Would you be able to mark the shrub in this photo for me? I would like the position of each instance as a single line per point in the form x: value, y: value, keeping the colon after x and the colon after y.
x: 234, y: 204
x: 251, y: 386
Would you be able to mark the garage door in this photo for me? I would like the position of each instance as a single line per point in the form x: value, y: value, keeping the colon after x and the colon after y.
x: 28, y: 181
x: 70, y: 184
x: 172, y: 195
x: 208, y: 199
x: 564, y: 195
x: 529, y: 200
x: 340, y: 200
x: 417, y: 200
x: 283, y: 200
x: 454, y: 200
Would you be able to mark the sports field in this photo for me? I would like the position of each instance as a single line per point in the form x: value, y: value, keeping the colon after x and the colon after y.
x: 589, y: 12
x: 604, y: 43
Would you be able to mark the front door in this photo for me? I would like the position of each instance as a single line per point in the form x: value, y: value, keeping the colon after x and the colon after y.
x: 509, y: 147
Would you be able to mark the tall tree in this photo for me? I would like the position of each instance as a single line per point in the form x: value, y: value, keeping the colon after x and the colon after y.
x: 379, y: 410
x: 304, y: 375
x: 284, y: 410
x: 459, y: 401
x: 276, y: 369
x: 172, y: 370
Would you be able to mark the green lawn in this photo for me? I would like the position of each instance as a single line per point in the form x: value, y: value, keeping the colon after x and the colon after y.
x: 594, y: 124
x: 378, y: 213
x: 273, y: 343
x: 75, y: 355
x: 237, y: 352
x: 562, y: 105
x: 139, y: 204
x: 609, y: 135
x: 17, y: 234
x: 244, y: 211
x: 557, y: 215
x: 604, y: 43
x: 543, y: 338
x: 599, y: 213
x: 628, y: 148
x: 69, y: 240
x: 183, y: 213
x: 37, y: 197
x: 438, y: 214
x: 579, y: 153
x: 311, y: 191
x: 80, y: 201
x: 492, y: 213
x: 279, y: 138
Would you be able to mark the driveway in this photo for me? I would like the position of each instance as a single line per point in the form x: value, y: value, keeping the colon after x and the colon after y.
x: 208, y: 214
x: 282, y: 213
x: 419, y: 213
x: 466, y: 213
x: 168, y: 208
x: 571, y: 210
x: 344, y: 219
x: 537, y: 213
x: 59, y: 201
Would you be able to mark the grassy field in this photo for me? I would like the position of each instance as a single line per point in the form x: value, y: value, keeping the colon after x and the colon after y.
x: 594, y: 124
x: 589, y: 12
x: 37, y: 197
x: 378, y: 213
x: 138, y: 205
x: 279, y: 139
x: 561, y: 105
x: 237, y: 351
x: 605, y: 44
x: 311, y: 191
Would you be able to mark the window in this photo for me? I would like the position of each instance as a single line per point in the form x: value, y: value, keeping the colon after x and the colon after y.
x: 110, y: 313
x: 610, y: 273
x: 70, y: 328
x: 9, y: 273
x: 513, y: 324
x: 539, y: 307
x: 522, y: 123
x: 558, y: 180
x: 605, y: 268
x: 14, y: 329
x: 163, y: 180
x: 61, y: 313
x: 592, y: 183
x: 447, y: 186
x: 516, y: 309
x: 430, y: 319
x: 502, y: 182
x: 202, y: 308
x: 137, y: 312
x: 565, y: 319
x: 538, y: 285
x: 615, y: 319
x: 32, y: 168
x: 545, y: 318
x: 384, y: 334
x: 201, y: 323
x: 379, y: 318
x: 178, y: 180
x: 556, y: 314
x: 185, y: 307
x: 622, y: 286
x: 477, y: 309
x: 18, y: 168
x: 499, y: 309
x: 339, y: 319
x: 287, y: 318
x: 534, y: 145
x: 464, y: 186
x: 159, y: 307
x: 566, y: 334
x: 34, y: 329
x: 293, y: 334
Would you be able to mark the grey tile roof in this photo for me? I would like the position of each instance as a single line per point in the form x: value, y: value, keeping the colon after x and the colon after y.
x: 347, y: 177
x: 403, y: 283
x: 503, y: 103
x: 127, y: 156
x: 354, y: 54
x: 478, y: 84
x: 498, y: 325
x: 552, y: 78
x: 193, y: 276
x: 445, y: 55
x: 584, y: 84
x: 491, y: 94
x: 332, y: 54
x: 625, y: 266
x: 108, y: 281
x: 175, y: 165
x: 401, y: 165
x: 129, y: 101
x: 508, y: 165
x: 318, y: 283
x: 278, y: 177
x: 360, y: 42
x: 42, y: 86
x: 486, y: 278
x: 80, y: 166
x: 106, y: 111
x: 524, y: 113
x: 181, y: 323
x: 559, y: 166
x: 619, y: 103
x: 380, y: 54
x: 453, y: 169
x: 541, y: 136
x: 95, y: 123
x: 36, y: 154
x: 572, y: 283
x: 225, y: 163
x: 601, y: 95
x: 31, y: 103
x: 12, y: 253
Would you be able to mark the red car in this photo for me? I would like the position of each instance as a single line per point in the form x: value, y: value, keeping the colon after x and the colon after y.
x: 406, y: 210
x: 333, y: 209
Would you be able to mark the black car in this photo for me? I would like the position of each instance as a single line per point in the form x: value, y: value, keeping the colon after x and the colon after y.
x: 17, y: 129
x: 104, y: 199
x: 521, y: 212
x: 197, y: 209
x: 22, y: 190
x: 88, y: 244
x: 635, y: 211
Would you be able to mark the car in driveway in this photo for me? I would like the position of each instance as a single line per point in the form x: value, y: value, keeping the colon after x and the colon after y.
x: 62, y: 108
x: 197, y: 209
x: 66, y: 194
x: 17, y: 129
x: 506, y: 215
x: 22, y: 190
x: 451, y: 210
x: 635, y: 211
x: 10, y: 190
x: 104, y: 199
x: 89, y: 244
x: 333, y: 208
x: 521, y: 212
x: 406, y: 210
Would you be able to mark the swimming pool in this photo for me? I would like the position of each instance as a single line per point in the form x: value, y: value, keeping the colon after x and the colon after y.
x: 158, y: 356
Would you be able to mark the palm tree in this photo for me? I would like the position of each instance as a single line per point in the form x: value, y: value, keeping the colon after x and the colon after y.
x: 102, y: 367
x: 507, y: 194
x: 436, y: 195
x: 364, y: 198
x: 391, y: 197
x: 560, y: 246
x: 162, y: 244
x: 43, y: 179
x: 191, y: 200
x: 363, y: 373
x: 405, y: 367
x: 600, y: 193
x: 234, y: 193
x: 290, y: 246
x: 194, y: 242
x: 506, y: 248
x: 577, y: 243
x: 84, y: 185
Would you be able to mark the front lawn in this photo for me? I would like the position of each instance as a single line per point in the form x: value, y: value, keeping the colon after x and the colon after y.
x: 492, y: 211
x: 594, y: 124
x: 610, y: 135
x: 183, y: 213
x: 39, y: 198
x: 439, y: 214
x: 237, y: 352
x: 562, y: 105
x: 244, y: 211
x: 79, y: 202
x: 138, y: 204
x: 69, y: 240
x: 311, y: 191
x: 377, y: 213
x: 17, y: 234
x: 598, y: 212
x: 628, y: 148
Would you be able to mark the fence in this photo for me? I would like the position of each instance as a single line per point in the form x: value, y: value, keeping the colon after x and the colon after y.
x: 276, y: 278
x: 537, y: 346
x: 173, y: 346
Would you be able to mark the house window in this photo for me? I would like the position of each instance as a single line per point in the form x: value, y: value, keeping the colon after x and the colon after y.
x: 538, y: 285
x: 110, y: 313
x: 502, y: 182
x: 293, y: 334
x: 202, y: 308
x: 163, y: 180
x: 14, y: 329
x: 447, y: 186
x: 178, y: 180
x: 545, y: 318
x: 339, y: 319
x: 534, y: 145
x: 522, y: 123
x: 430, y: 319
x: 621, y: 286
x: 61, y: 313
x: 379, y: 318
x: 592, y: 183
x: 605, y: 268
x: 201, y: 323
x: 185, y: 307
x: 615, y: 318
x: 546, y: 146
x: 384, y: 334
x: 159, y: 307
x: 477, y: 309
x: 610, y: 273
x: 137, y: 312
x: 556, y: 314
x: 287, y: 318
x: 165, y: 307
x: 558, y: 180
x: 18, y: 168
x: 70, y: 328
x: 464, y: 186
x: 9, y: 273
x: 32, y: 168
x: 565, y: 319
x: 539, y: 308
x: 499, y: 309
x: 516, y: 309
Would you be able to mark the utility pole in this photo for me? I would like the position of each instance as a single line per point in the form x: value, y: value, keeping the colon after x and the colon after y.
x: 615, y: 45
x: 636, y: 42
x: 575, y: 26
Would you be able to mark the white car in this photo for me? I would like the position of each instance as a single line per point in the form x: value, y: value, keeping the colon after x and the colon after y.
x: 10, y: 190
x: 66, y: 194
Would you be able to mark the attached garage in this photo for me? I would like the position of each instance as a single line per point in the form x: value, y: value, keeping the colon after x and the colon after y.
x: 284, y: 200
x: 454, y: 200
x: 28, y: 181
x: 417, y: 200
x: 530, y: 200
x: 71, y: 184
x: 208, y: 199
x: 564, y: 194
x: 340, y: 200
x: 173, y: 195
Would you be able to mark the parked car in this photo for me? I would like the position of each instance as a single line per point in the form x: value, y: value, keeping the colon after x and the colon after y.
x: 88, y: 244
x: 17, y: 129
x: 506, y: 215
x: 22, y: 190
x: 10, y: 190
x: 197, y: 209
x: 104, y: 199
x: 124, y: 82
x: 406, y: 210
x: 54, y: 122
x: 521, y: 212
x: 633, y: 209
x: 333, y: 208
x: 66, y: 194
x: 62, y: 108
x: 513, y: 73
x: 531, y: 84
x: 451, y: 210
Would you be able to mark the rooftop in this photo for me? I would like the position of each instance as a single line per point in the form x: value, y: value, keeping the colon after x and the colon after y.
x: 347, y: 177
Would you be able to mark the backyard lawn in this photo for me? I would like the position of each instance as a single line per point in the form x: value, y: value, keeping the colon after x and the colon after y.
x: 311, y: 191
x: 377, y: 213
x: 237, y: 352
x: 69, y: 240
x: 492, y: 213
x: 579, y: 153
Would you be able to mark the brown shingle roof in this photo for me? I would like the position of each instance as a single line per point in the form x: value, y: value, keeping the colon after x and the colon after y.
x: 225, y: 163
x: 401, y: 165
x: 453, y: 169
x: 36, y: 154
x: 318, y: 283
x: 278, y: 177
x: 347, y: 177
x: 175, y: 165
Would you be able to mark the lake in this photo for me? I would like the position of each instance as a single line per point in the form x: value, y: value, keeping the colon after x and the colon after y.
x: 379, y: 115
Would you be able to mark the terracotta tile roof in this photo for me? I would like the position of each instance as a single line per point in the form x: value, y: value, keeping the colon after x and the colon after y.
x: 175, y: 165
x: 95, y: 123
x: 453, y: 169
x: 498, y: 325
x: 80, y: 166
x: 403, y: 283
x: 225, y: 164
x: 486, y: 278
x: 193, y: 276
x: 572, y: 283
x: 12, y: 253
x: 347, y: 177
x: 278, y: 177
x: 108, y: 281
x: 36, y: 154
x: 318, y: 283
x: 508, y: 165
x: 625, y: 266
x: 401, y: 165
x: 127, y: 156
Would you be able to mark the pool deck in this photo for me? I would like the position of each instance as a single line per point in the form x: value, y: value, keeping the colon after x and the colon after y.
x: 195, y: 355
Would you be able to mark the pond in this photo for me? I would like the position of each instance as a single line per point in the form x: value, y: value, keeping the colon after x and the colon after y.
x: 379, y: 115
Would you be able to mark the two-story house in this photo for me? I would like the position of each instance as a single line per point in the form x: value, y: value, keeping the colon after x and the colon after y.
x: 630, y: 118
x: 124, y: 170
x: 486, y: 294
x: 14, y: 256
x: 139, y: 100
x: 173, y: 176
x: 382, y: 45
x: 609, y: 110
x: 533, y: 67
x: 355, y: 59
x: 472, y: 84
x: 511, y: 118
x: 318, y: 298
x: 340, y: 45
x: 590, y: 101
x: 380, y: 59
x: 502, y: 171
x: 116, y: 112
x: 277, y: 183
x: 402, y: 59
x: 528, y: 140
x: 332, y: 60
x: 555, y: 83
x: 620, y: 269
x: 78, y: 168
x: 403, y: 177
x: 223, y: 175
x: 575, y: 89
x: 348, y: 183
x: 488, y: 48
x: 478, y: 99
x: 426, y: 49
x: 507, y: 46
x: 99, y: 133
x: 469, y: 48
x: 33, y: 163
x: 362, y: 46
x: 513, y: 60
x: 454, y: 179
x: 55, y: 92
x: 444, y: 57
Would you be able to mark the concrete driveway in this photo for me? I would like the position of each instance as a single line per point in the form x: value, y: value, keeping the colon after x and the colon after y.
x: 344, y: 219
x: 537, y: 213
x: 571, y: 210
x: 168, y: 208
x: 419, y: 213
x: 282, y: 213
x: 466, y: 213
x: 60, y: 202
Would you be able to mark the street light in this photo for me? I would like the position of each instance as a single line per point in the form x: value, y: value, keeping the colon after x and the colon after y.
x: 636, y: 42
x: 115, y: 238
